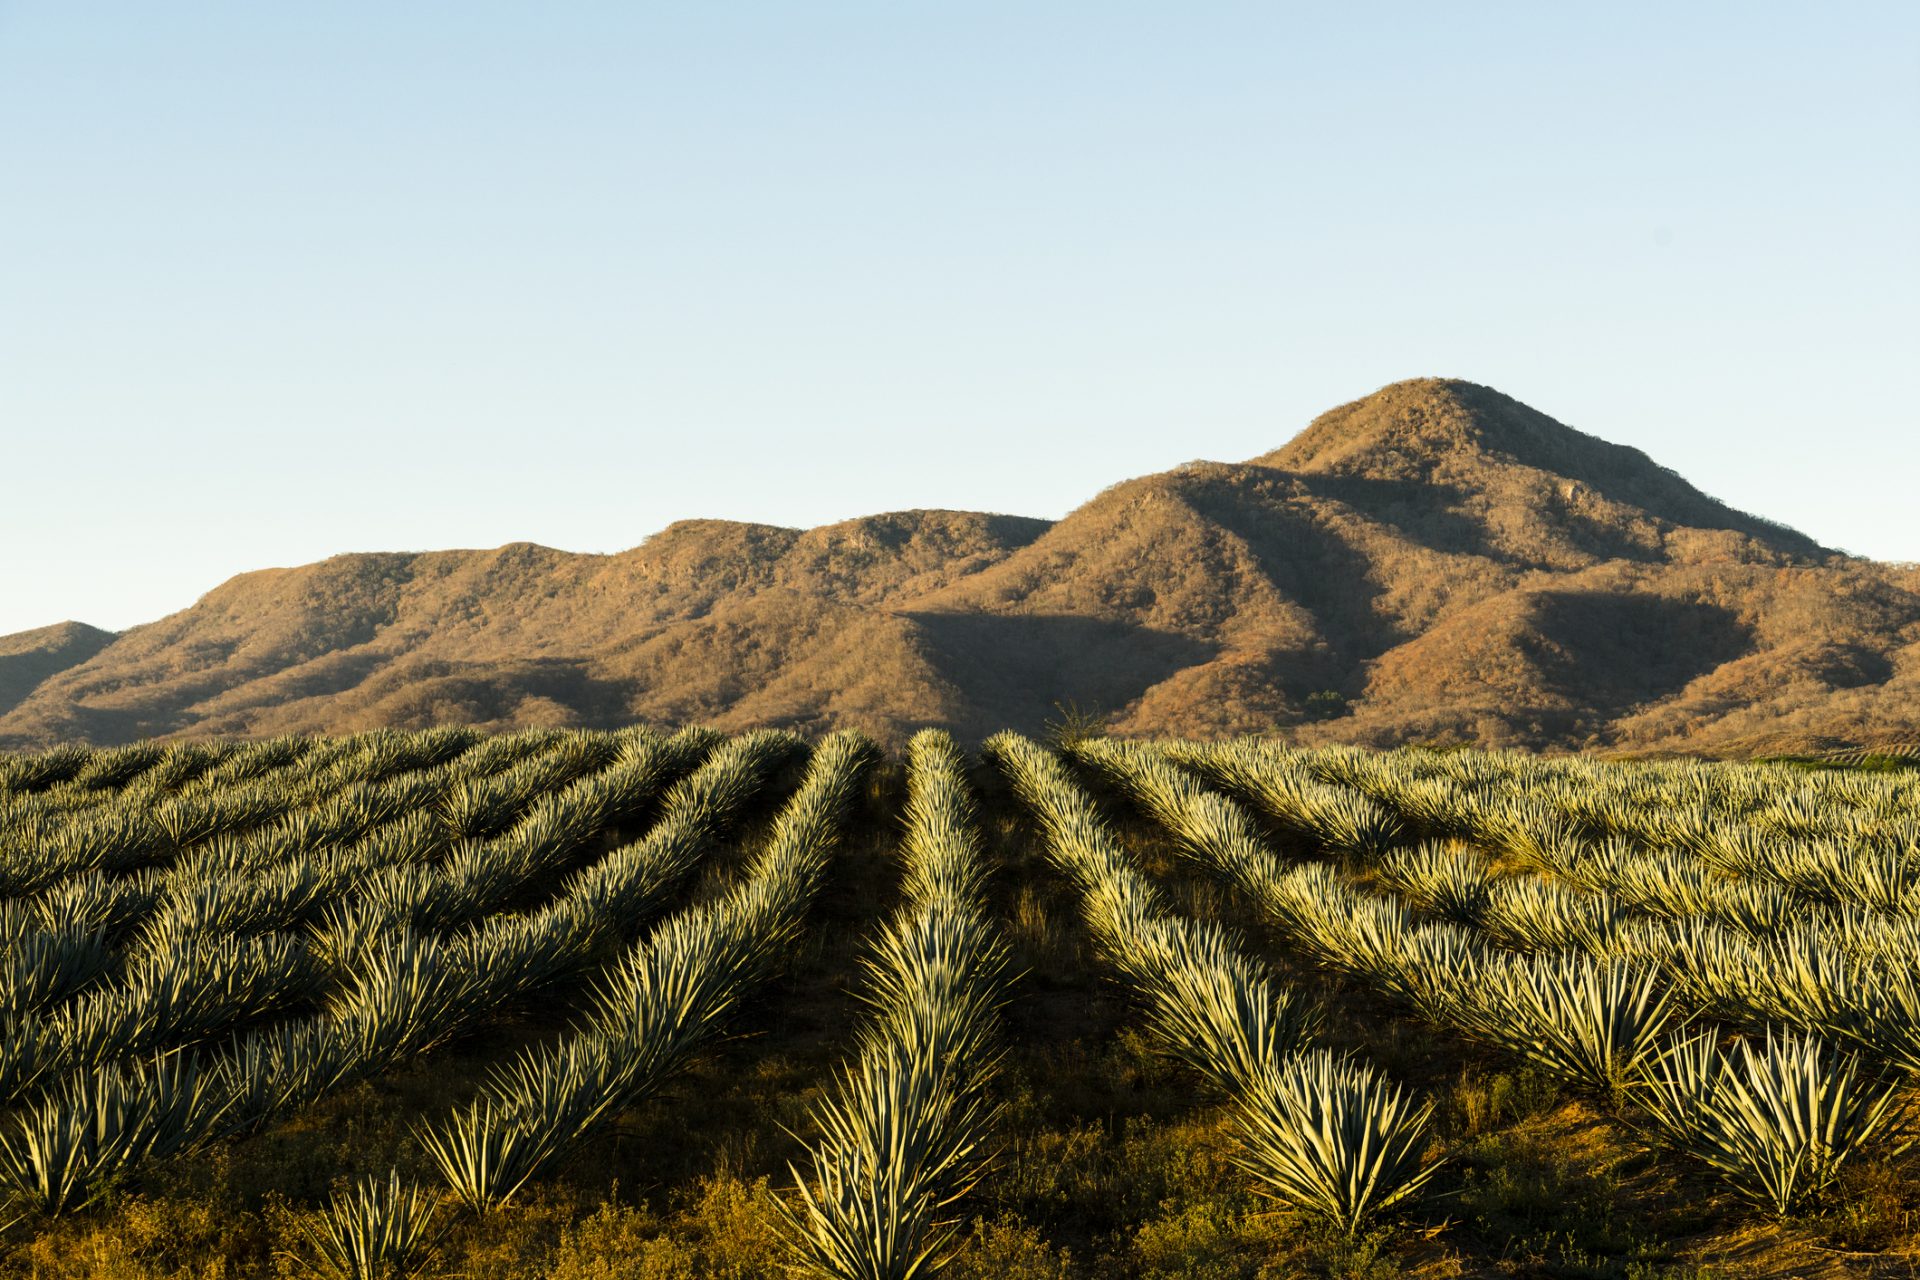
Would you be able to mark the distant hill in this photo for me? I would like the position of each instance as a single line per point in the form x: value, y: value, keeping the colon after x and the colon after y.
x: 1435, y: 562
x: 29, y: 658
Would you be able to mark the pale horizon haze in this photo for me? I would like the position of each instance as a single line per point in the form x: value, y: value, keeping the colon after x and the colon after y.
x: 279, y: 282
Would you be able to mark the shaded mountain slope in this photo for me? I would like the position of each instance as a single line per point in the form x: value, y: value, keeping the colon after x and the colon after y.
x: 29, y: 658
x: 1435, y: 561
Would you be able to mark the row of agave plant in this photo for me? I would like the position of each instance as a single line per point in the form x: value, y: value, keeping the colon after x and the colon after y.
x: 1834, y: 839
x: 74, y: 777
x: 1651, y: 798
x: 667, y: 998
x: 905, y: 1129
x: 1777, y: 1118
x: 273, y: 877
x: 401, y: 994
x: 1328, y: 1135
x: 1847, y: 980
x: 1590, y: 904
x: 76, y: 772
x: 662, y: 1002
x: 1742, y: 950
x: 271, y: 816
x: 404, y: 818
x: 122, y: 831
x: 480, y: 876
x: 1327, y: 814
x: 291, y: 791
x: 1739, y: 949
x: 220, y: 952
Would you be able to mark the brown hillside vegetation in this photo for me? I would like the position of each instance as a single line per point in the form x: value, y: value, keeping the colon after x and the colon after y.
x: 1434, y: 562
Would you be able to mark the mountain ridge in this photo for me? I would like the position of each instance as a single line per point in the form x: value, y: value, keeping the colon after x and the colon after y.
x: 1436, y: 561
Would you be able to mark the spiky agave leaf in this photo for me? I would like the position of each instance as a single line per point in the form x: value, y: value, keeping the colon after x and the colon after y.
x: 1679, y: 1088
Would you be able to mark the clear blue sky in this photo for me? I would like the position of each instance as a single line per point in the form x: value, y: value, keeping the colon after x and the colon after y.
x: 284, y: 280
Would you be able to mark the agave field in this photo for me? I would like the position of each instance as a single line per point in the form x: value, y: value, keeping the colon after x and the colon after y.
x: 639, y: 1003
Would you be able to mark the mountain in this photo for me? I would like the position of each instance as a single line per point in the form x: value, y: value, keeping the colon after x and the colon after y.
x: 29, y: 658
x: 1435, y: 562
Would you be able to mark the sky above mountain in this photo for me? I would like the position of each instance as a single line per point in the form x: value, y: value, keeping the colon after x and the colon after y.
x: 281, y: 281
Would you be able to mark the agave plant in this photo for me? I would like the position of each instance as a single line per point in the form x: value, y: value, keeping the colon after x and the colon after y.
x: 1852, y: 876
x: 1432, y: 805
x: 478, y: 809
x: 615, y: 894
x: 1679, y: 1088
x: 1334, y: 1138
x: 1757, y: 908
x: 41, y: 967
x: 1434, y: 968
x: 1353, y: 824
x: 1529, y: 914
x: 280, y: 1067
x: 490, y: 1149
x: 1214, y: 1007
x: 1597, y: 1023
x: 405, y: 996
x: 66, y: 1152
x: 376, y: 1230
x: 902, y: 1137
x: 1730, y: 847
x: 1778, y: 1121
x: 1447, y: 880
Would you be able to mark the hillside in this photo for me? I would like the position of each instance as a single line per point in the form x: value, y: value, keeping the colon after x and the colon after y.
x: 1434, y: 562
x: 29, y: 658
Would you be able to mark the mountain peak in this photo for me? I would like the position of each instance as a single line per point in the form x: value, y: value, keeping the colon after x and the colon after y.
x: 1407, y: 428
x: 1416, y: 419
x: 1458, y: 436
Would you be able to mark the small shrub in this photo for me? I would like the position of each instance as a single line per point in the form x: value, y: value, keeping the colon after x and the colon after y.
x: 377, y: 1231
x: 1008, y: 1250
